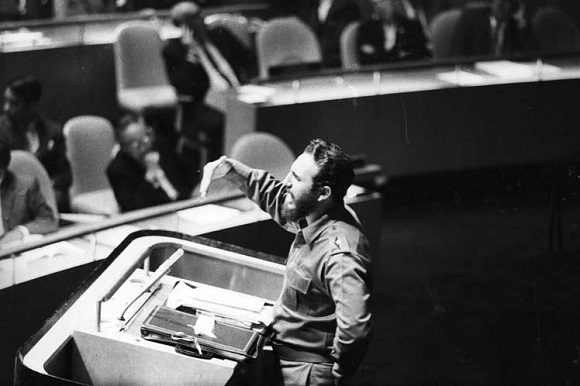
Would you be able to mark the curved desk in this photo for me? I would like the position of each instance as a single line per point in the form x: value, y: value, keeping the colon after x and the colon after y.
x: 422, y: 120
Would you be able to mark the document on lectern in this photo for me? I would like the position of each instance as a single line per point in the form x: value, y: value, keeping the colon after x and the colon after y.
x: 229, y: 304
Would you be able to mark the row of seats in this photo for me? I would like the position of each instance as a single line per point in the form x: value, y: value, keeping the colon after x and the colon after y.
x: 141, y: 79
x: 91, y: 144
x: 554, y: 31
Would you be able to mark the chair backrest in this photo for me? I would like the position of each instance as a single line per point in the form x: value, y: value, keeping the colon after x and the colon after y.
x: 348, y: 46
x: 24, y: 162
x: 286, y: 41
x: 264, y: 151
x: 442, y: 29
x: 90, y: 141
x: 236, y: 24
x: 555, y: 31
x: 138, y: 60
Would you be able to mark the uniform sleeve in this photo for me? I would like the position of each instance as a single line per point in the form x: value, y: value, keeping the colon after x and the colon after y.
x: 268, y: 193
x: 347, y: 279
x: 42, y: 217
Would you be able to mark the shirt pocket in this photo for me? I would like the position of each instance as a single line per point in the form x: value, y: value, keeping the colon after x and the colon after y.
x: 296, y: 290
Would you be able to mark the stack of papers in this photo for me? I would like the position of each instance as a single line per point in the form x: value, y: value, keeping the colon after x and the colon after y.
x: 219, y: 302
x: 207, y: 214
x: 255, y: 94
x: 507, y: 70
x: 461, y: 78
x: 114, y: 236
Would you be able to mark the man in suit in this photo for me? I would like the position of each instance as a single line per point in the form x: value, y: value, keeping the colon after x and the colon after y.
x: 498, y: 29
x: 391, y: 35
x: 24, y: 210
x: 25, y: 129
x: 201, y: 65
x: 140, y: 175
x: 327, y: 18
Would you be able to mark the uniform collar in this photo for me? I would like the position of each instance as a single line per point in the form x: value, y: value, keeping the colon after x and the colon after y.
x: 311, y: 231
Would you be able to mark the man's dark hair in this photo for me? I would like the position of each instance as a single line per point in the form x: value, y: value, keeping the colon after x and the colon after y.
x: 335, y: 167
x: 4, y: 155
x: 26, y: 88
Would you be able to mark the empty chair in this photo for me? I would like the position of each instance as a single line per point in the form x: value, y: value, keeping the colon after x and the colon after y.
x: 24, y: 162
x: 264, y: 151
x: 286, y: 41
x: 141, y: 77
x: 555, y: 31
x: 442, y: 29
x: 90, y: 141
x: 348, y: 46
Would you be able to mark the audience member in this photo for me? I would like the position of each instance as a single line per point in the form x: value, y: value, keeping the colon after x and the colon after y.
x: 25, y: 129
x: 143, y: 175
x: 327, y: 18
x: 201, y: 65
x: 23, y: 208
x: 497, y: 29
x: 391, y: 35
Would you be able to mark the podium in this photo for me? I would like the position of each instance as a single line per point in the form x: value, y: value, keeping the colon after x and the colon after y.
x: 96, y: 336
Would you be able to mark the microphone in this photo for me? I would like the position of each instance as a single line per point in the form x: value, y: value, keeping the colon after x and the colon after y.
x: 156, y: 175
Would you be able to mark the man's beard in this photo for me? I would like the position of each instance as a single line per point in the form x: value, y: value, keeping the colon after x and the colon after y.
x: 294, y: 208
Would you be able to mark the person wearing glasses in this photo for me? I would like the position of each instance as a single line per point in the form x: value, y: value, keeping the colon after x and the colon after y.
x: 142, y: 175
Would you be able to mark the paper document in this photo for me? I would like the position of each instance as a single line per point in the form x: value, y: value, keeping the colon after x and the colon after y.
x: 251, y: 93
x: 62, y: 249
x: 114, y: 236
x: 219, y: 302
x: 461, y: 78
x: 508, y: 70
x: 207, y: 214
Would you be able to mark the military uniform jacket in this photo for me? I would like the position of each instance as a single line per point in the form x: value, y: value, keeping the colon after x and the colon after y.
x: 324, y: 312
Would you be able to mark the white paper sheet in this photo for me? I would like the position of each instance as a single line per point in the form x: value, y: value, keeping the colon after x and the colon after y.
x: 207, y: 214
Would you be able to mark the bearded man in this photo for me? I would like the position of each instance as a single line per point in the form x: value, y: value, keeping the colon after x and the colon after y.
x: 322, y: 319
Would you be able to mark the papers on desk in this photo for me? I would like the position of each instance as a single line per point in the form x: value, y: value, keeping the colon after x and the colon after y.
x: 46, y: 254
x: 461, y: 78
x: 510, y: 70
x: 218, y: 301
x: 22, y: 38
x: 207, y: 214
x: 250, y: 93
x: 113, y: 237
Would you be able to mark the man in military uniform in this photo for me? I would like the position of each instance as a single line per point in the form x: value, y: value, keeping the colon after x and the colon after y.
x: 323, y: 319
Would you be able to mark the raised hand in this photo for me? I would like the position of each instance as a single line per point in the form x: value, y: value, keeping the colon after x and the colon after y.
x: 212, y: 171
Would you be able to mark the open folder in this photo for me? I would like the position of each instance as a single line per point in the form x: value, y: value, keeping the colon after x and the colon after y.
x: 224, y: 303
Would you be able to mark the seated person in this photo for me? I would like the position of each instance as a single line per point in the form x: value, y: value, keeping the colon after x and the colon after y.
x: 497, y: 29
x: 24, y: 208
x: 25, y: 129
x: 390, y: 35
x: 201, y: 65
x: 141, y: 176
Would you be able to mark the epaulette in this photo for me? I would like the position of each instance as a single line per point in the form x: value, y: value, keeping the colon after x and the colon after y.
x: 341, y: 243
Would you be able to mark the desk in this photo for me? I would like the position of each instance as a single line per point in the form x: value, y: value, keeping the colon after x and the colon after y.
x: 77, y: 346
x: 412, y: 121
